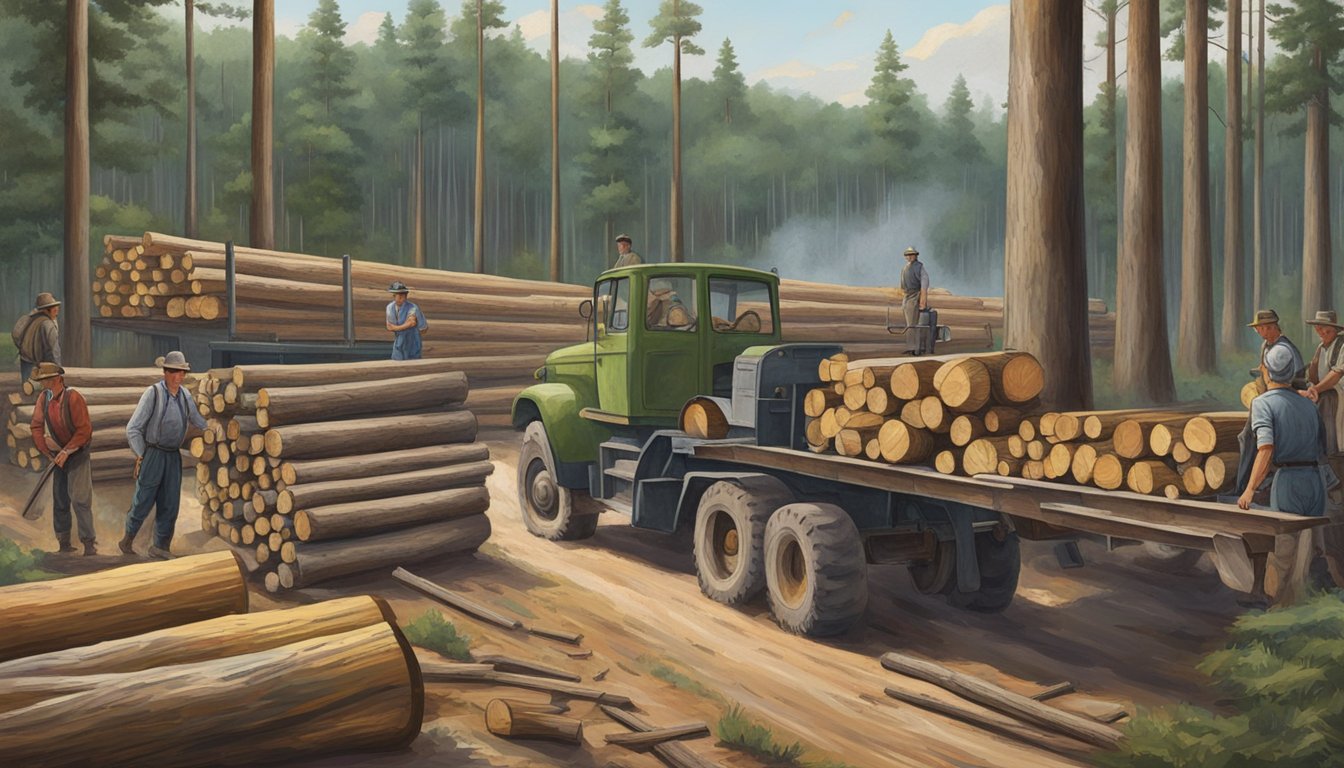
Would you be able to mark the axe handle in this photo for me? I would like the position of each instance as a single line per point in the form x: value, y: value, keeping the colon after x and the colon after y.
x: 41, y: 482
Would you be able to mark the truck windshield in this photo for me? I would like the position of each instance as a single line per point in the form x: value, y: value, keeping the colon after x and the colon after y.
x: 613, y: 304
x: 740, y: 306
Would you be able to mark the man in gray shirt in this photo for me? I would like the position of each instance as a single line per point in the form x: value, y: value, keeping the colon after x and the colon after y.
x: 156, y: 432
x: 915, y: 285
x: 37, y: 335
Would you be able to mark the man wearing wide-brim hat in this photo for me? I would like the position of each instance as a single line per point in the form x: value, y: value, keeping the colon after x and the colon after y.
x: 37, y: 336
x: 915, y: 299
x: 1326, y: 374
x: 62, y: 432
x: 156, y: 432
x: 406, y: 322
x: 1266, y: 324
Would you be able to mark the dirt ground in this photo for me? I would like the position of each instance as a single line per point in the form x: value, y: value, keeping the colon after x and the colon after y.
x: 1123, y: 634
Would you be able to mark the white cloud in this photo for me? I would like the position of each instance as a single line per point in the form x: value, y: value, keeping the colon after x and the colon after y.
x: 838, y: 23
x: 991, y: 20
x: 576, y: 26
x: 365, y: 28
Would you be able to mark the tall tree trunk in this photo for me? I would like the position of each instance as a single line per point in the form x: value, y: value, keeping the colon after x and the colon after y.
x: 76, y: 342
x: 478, y: 240
x: 1044, y: 230
x: 674, y: 212
x: 1142, y: 356
x: 189, y: 214
x: 1111, y: 118
x: 263, y: 106
x: 1194, y: 338
x: 1316, y: 288
x: 1234, y: 279
x: 1258, y: 202
x: 419, y: 181
x: 555, y: 141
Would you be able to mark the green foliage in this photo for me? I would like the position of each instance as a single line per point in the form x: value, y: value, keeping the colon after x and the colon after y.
x: 676, y: 22
x: 491, y: 16
x: 738, y: 731
x: 730, y: 87
x: 960, y: 146
x: 18, y: 566
x: 1311, y: 34
x: 424, y: 58
x: 1284, y: 675
x: 892, y: 113
x: 436, y: 633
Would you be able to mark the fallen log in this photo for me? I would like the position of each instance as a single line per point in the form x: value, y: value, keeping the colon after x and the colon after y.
x: 524, y: 667
x: 373, y: 465
x: 995, y: 723
x: 360, y: 518
x: 673, y: 753
x: 520, y: 720
x: 446, y: 672
x: 455, y: 600
x: 309, y: 495
x: 644, y: 740
x: 217, y: 638
x: 329, y: 560
x: 48, y: 616
x: 360, y: 690
x: 1005, y: 701
x: 324, y: 440
x: 324, y: 402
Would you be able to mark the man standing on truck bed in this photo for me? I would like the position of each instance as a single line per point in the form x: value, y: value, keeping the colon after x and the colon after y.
x: 624, y: 256
x: 915, y: 284
x: 36, y: 335
x: 406, y: 322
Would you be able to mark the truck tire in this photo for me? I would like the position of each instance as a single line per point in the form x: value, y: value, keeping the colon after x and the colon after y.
x: 999, y: 561
x: 549, y: 510
x: 1169, y: 559
x: 815, y: 569
x: 730, y: 536
x: 936, y: 576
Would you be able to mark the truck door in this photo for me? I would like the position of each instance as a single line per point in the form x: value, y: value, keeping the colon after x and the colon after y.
x: 611, y: 344
x: 670, y: 365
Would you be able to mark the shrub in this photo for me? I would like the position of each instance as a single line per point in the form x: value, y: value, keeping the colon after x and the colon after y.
x: 1284, y: 674
x: 436, y: 633
x: 18, y: 566
x: 738, y: 731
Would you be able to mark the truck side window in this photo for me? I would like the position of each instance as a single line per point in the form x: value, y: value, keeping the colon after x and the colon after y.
x: 740, y: 306
x: 671, y: 304
x: 613, y: 304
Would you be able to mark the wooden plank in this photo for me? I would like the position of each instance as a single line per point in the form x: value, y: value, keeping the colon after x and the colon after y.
x: 435, y: 671
x: 994, y: 723
x: 523, y: 666
x: 641, y: 740
x: 673, y: 753
x: 1105, y: 523
x: 454, y: 599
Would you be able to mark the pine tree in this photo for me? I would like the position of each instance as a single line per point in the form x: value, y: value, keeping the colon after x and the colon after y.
x: 477, y: 17
x: 676, y: 23
x: 958, y: 136
x: 611, y: 85
x: 729, y: 85
x: 426, y: 69
x: 891, y: 113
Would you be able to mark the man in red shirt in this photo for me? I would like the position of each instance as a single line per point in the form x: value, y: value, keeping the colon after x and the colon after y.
x: 62, y: 431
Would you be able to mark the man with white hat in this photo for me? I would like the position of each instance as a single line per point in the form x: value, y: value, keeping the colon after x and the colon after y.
x: 915, y: 287
x: 62, y: 431
x: 406, y: 322
x: 36, y: 335
x: 156, y: 432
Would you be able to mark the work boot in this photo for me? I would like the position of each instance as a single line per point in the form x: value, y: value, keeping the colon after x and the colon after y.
x: 125, y: 545
x: 64, y: 542
x: 159, y: 553
x: 89, y: 549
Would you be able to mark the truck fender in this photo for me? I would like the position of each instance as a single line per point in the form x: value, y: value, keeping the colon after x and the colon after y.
x: 694, y: 485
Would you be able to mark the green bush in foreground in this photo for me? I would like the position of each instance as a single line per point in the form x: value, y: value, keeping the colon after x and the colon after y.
x: 18, y: 566
x: 436, y: 633
x: 1284, y: 676
x: 738, y: 731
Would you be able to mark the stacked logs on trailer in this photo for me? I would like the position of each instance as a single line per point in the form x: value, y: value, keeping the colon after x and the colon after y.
x: 111, y: 394
x: 978, y: 415
x: 89, y: 666
x: 318, y: 471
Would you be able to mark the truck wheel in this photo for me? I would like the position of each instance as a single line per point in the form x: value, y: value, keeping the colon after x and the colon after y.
x: 815, y: 570
x: 935, y: 577
x: 1169, y: 559
x: 730, y: 535
x: 549, y: 510
x: 999, y: 561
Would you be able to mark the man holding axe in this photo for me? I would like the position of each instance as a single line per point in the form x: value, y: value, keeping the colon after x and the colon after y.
x: 61, y: 431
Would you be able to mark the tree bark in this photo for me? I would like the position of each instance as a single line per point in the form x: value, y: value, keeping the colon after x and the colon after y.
x: 674, y: 210
x: 1234, y: 270
x: 189, y: 201
x: 519, y: 720
x: 255, y: 377
x: 1045, y: 268
x: 81, y: 610
x: 555, y: 142
x: 478, y: 208
x: 1142, y: 357
x: 76, y: 333
x: 325, y: 440
x: 217, y: 638
x: 262, y: 229
x: 375, y: 464
x: 1258, y: 202
x: 418, y: 239
x: 329, y: 560
x: 1194, y: 342
x: 359, y: 690
x: 1317, y: 292
x: 296, y: 405
x: 360, y: 518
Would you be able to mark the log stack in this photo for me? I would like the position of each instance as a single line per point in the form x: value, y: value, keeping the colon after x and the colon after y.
x: 319, y: 471
x: 90, y: 664
x: 977, y: 415
x: 111, y: 393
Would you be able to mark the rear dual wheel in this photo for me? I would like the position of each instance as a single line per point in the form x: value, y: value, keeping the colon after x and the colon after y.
x: 730, y: 533
x: 815, y: 569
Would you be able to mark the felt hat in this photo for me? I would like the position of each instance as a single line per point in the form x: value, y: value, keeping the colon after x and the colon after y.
x: 910, y: 251
x: 398, y: 287
x: 1264, y: 317
x: 1326, y: 317
x: 173, y: 361
x: 46, y: 371
x: 45, y: 300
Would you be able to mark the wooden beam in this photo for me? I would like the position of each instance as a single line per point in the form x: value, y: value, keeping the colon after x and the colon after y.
x: 454, y: 599
x: 642, y: 740
x: 994, y: 723
x: 448, y: 672
x: 673, y: 753
x: 522, y: 666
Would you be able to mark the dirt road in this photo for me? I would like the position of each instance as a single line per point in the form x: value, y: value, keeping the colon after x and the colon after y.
x: 1122, y: 634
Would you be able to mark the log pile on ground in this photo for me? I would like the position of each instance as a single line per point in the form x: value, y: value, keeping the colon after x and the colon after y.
x: 111, y: 393
x: 320, y: 471
x: 978, y: 415
x: 90, y: 664
x: 298, y: 297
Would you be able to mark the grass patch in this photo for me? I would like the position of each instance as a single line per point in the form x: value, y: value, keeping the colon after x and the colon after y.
x: 436, y: 633
x: 1284, y: 676
x: 18, y: 566
x: 740, y: 732
x: 680, y: 680
x: 516, y: 607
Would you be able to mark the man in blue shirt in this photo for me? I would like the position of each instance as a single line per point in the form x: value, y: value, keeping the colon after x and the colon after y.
x: 406, y: 322
x: 156, y: 432
x: 1289, y: 440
